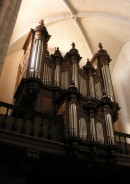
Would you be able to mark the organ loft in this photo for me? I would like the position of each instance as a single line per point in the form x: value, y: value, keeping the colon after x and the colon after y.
x: 62, y: 117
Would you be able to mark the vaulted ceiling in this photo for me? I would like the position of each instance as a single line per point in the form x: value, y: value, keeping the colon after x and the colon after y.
x: 85, y: 22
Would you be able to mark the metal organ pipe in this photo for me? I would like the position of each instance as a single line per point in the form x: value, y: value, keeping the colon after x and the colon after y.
x: 33, y: 56
x: 38, y: 62
x: 105, y: 80
x: 37, y: 58
x: 65, y: 79
x: 47, y: 73
x: 38, y: 49
x: 44, y: 74
x: 91, y: 87
x: 75, y: 74
x: 82, y: 129
x: 99, y: 129
x: 109, y: 127
x: 83, y: 86
x: 57, y: 75
x: 35, y: 65
x: 73, y: 120
x: 98, y: 90
x: 92, y: 129
x: 109, y: 82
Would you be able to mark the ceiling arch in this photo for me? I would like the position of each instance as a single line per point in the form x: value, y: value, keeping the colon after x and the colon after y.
x: 93, y: 22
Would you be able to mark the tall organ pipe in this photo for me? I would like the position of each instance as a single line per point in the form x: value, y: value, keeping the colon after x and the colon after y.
x: 38, y: 62
x: 35, y: 65
x: 91, y: 87
x: 75, y: 74
x: 109, y: 82
x: 57, y: 75
x: 89, y: 78
x: 73, y: 120
x: 92, y: 129
x: 74, y: 57
x: 39, y: 46
x: 109, y: 127
x: 33, y: 58
x: 104, y: 60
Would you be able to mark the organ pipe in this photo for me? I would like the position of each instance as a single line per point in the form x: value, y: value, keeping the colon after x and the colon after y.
x: 100, y: 136
x: 75, y: 74
x: 109, y: 128
x: 98, y: 90
x: 109, y: 82
x: 91, y: 87
x: 36, y: 58
x: 73, y: 120
x: 65, y: 79
x: 47, y: 73
x: 82, y: 129
x: 57, y: 75
x: 38, y: 50
x: 92, y: 129
x: 83, y: 86
x: 105, y: 80
x: 104, y: 60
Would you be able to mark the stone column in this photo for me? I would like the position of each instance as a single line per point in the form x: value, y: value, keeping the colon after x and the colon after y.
x: 8, y: 14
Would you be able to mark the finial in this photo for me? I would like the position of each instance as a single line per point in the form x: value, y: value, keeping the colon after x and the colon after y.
x: 73, y: 45
x: 87, y: 60
x: 56, y: 48
x: 57, y: 52
x: 100, y: 45
x: 41, y: 22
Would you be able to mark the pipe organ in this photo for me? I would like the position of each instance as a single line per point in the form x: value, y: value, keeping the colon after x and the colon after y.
x: 58, y: 85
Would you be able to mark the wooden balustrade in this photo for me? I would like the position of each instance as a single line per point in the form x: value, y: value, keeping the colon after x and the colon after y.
x: 45, y: 126
x: 123, y: 142
x: 35, y: 124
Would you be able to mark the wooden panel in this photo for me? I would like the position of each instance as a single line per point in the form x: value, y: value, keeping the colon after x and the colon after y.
x: 45, y: 101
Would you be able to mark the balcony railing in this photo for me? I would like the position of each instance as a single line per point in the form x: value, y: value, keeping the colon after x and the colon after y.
x: 123, y: 142
x: 31, y: 123
x: 48, y: 127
